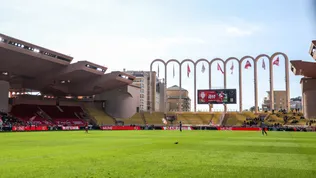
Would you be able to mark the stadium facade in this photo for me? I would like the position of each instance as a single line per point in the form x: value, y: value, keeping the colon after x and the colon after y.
x: 25, y: 66
x: 308, y: 81
x: 273, y: 60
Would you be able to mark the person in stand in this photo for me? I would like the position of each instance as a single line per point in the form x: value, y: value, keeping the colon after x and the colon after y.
x: 86, y: 127
x: 180, y: 126
x: 263, y: 129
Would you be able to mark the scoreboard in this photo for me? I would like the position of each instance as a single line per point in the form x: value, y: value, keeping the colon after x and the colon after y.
x: 217, y: 96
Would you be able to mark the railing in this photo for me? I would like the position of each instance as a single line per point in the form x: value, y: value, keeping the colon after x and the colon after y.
x: 86, y: 112
x: 45, y: 115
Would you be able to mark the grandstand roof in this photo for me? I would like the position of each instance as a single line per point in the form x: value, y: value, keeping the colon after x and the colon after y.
x: 306, y: 69
x: 25, y: 65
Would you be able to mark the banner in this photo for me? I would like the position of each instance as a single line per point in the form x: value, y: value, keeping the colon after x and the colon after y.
x: 120, y: 128
x: 29, y: 128
x: 217, y: 96
x: 70, y: 127
x: 240, y: 128
x: 177, y: 128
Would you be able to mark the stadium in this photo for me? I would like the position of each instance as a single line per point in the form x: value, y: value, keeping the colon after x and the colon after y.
x: 48, y: 94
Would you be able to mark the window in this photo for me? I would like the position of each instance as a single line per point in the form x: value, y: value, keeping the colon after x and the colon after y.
x: 142, y: 91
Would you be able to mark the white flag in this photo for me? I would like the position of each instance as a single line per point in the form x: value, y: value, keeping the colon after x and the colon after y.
x: 203, y: 68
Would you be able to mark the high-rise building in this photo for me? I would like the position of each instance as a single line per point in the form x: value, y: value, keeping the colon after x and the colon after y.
x: 142, y: 80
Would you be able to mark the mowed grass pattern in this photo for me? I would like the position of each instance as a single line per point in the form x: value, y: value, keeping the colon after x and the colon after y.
x: 154, y: 154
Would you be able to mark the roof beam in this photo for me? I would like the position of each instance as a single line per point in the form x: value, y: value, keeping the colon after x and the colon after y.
x: 312, y: 49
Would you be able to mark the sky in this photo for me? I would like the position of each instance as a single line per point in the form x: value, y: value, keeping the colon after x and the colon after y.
x: 130, y: 34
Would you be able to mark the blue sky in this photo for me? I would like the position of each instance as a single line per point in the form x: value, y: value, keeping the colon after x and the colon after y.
x: 131, y: 33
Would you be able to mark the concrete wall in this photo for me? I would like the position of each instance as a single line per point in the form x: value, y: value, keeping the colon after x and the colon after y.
x: 121, y: 102
x: 39, y: 100
x: 4, y: 95
x: 309, y: 97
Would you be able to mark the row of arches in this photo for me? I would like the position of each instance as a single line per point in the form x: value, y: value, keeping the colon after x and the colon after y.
x: 225, y: 62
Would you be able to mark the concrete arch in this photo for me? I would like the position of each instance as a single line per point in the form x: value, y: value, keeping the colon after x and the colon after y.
x: 231, y: 58
x: 173, y: 60
x: 201, y: 60
x: 255, y: 61
x: 157, y: 60
x: 176, y: 61
x: 151, y: 81
x: 211, y: 62
x: 287, y: 81
x: 240, y: 80
x: 187, y: 60
x: 198, y: 61
x: 216, y: 59
x: 262, y: 55
x: 246, y: 57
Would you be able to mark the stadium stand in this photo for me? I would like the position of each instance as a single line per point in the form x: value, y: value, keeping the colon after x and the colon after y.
x: 155, y: 118
x: 208, y: 118
x: 136, y: 119
x: 96, y: 112
x: 65, y: 116
x: 10, y: 120
x: 29, y: 114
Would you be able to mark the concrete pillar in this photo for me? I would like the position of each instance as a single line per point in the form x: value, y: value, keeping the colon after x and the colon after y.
x: 287, y: 83
x: 4, y: 95
x: 309, y: 97
x: 240, y: 88
x: 194, y: 87
x: 225, y: 82
x: 166, y: 101
x: 256, y: 86
x: 180, y: 85
x: 210, y: 82
x: 150, y: 89
x: 271, y: 84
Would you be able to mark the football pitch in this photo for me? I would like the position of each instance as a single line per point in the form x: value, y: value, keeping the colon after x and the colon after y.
x: 155, y: 154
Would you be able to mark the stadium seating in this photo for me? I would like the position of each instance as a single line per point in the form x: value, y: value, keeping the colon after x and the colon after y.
x: 99, y: 115
x: 25, y: 112
x: 206, y: 117
x: 136, y: 119
x: 234, y: 119
x: 64, y: 115
x: 9, y: 120
x: 155, y: 118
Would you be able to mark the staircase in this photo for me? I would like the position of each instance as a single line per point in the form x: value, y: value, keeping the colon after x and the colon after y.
x: 44, y: 115
x: 89, y: 117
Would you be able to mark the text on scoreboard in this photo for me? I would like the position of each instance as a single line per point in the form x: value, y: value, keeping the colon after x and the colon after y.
x: 217, y: 96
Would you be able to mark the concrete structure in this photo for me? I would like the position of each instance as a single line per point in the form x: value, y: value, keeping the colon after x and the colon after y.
x: 142, y: 80
x: 296, y: 103
x: 279, y: 100
x: 120, y: 102
x: 27, y: 66
x: 173, y: 96
x: 308, y: 82
x: 254, y: 60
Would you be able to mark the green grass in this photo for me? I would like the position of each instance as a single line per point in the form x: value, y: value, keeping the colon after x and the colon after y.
x: 154, y: 154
